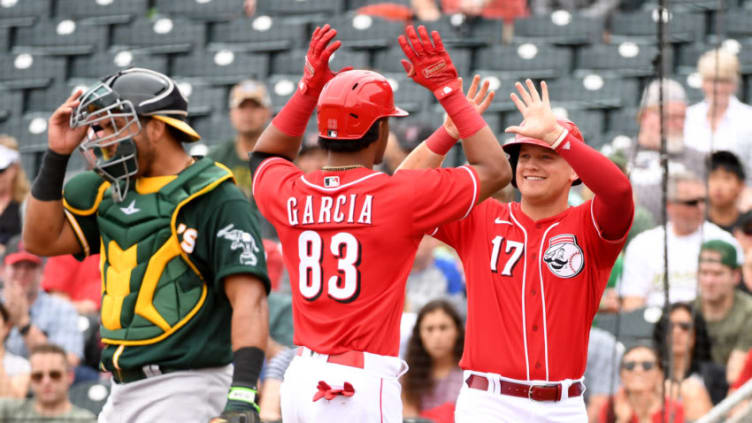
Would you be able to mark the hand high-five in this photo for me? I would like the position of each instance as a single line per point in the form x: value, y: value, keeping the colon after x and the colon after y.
x: 61, y: 138
x: 539, y: 121
x: 316, y: 72
x: 428, y: 62
x: 480, y: 99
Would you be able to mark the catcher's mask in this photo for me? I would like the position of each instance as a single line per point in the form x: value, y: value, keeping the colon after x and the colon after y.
x: 111, y: 110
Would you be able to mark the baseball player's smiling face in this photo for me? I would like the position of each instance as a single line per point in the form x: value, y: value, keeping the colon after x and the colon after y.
x: 542, y: 173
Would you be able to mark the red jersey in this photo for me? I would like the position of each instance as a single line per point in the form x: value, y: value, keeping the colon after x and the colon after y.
x: 349, y: 239
x: 533, y: 288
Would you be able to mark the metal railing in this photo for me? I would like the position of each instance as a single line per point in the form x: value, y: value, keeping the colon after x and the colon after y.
x: 719, y: 411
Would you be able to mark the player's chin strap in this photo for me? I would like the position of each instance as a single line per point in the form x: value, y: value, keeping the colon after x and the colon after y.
x: 241, y: 404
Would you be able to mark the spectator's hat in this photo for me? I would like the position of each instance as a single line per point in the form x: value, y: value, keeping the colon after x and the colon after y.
x: 7, y: 157
x: 672, y: 92
x: 726, y: 250
x: 250, y: 90
x: 15, y: 252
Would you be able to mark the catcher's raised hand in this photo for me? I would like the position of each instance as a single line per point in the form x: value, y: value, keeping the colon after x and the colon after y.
x: 428, y: 62
x: 316, y: 72
x: 480, y: 99
x: 539, y: 121
x: 61, y: 138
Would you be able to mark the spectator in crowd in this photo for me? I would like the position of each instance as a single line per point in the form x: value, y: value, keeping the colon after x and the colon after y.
x: 744, y: 377
x: 432, y: 384
x: 14, y: 186
x: 602, y: 371
x: 639, y: 399
x: 642, y: 280
x: 589, y: 8
x: 14, y: 370
x: 402, y: 140
x: 51, y: 377
x: 720, y: 121
x: 684, y: 344
x: 644, y: 169
x: 725, y: 187
x: 433, y: 276
x: 743, y: 235
x: 38, y: 318
x: 250, y: 111
x: 311, y: 158
x: 726, y: 310
x: 428, y: 10
x: 79, y: 282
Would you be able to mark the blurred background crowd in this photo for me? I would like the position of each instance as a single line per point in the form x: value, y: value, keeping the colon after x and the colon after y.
x: 610, y: 70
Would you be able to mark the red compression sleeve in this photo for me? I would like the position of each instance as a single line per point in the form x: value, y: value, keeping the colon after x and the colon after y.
x: 467, y: 120
x: 293, y: 118
x: 440, y: 142
x: 613, y: 205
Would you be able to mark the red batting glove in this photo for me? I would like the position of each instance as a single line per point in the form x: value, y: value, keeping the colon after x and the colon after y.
x: 429, y: 63
x: 316, y: 72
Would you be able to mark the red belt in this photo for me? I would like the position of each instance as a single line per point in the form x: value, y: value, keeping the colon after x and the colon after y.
x: 348, y: 358
x: 550, y: 392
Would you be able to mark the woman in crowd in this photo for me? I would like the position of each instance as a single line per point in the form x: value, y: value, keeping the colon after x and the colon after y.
x: 14, y: 370
x: 639, y: 399
x: 14, y: 186
x: 431, y: 386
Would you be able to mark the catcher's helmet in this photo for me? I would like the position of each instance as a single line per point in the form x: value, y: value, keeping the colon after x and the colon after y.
x: 512, y: 147
x: 116, y: 103
x: 352, y: 101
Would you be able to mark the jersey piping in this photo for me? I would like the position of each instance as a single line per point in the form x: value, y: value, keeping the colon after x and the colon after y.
x: 522, y: 296
x: 543, y: 295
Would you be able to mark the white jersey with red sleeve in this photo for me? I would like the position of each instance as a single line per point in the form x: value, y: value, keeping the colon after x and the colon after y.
x: 533, y: 288
x: 349, y: 239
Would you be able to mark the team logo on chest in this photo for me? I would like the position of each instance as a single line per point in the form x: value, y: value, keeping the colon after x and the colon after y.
x: 563, y: 256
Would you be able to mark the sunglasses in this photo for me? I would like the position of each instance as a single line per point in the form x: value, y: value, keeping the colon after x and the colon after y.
x: 631, y: 365
x: 55, y: 376
x: 694, y: 202
x: 685, y: 326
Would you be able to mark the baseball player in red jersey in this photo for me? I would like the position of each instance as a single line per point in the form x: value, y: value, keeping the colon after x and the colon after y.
x: 535, y: 271
x: 350, y: 234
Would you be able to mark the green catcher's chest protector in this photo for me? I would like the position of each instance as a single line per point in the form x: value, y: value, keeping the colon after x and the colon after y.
x: 150, y: 287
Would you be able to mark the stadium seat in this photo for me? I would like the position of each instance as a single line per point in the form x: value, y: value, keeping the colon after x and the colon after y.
x: 692, y: 84
x: 525, y: 60
x: 594, y: 91
x: 363, y: 31
x: 102, y: 12
x: 4, y: 39
x: 500, y: 82
x: 736, y: 23
x: 459, y: 31
x: 30, y: 131
x: 61, y: 37
x: 626, y: 59
x: 90, y: 395
x: 214, y: 129
x: 281, y: 88
x: 623, y: 122
x: 355, y: 4
x: 26, y: 70
x: 160, y: 35
x: 107, y: 63
x: 407, y: 94
x: 48, y: 99
x: 560, y: 27
x: 291, y: 62
x: 23, y: 12
x: 261, y: 33
x: 307, y: 10
x: 205, y: 10
x: 11, y: 105
x: 692, y: 5
x: 487, y: 31
x: 221, y: 67
x: 627, y: 327
x: 389, y: 60
x: 642, y: 27
x: 203, y: 99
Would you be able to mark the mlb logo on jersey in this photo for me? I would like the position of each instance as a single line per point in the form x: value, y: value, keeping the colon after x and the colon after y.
x: 331, y: 181
x: 563, y: 256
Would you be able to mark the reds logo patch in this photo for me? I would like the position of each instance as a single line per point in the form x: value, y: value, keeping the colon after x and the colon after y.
x: 564, y: 257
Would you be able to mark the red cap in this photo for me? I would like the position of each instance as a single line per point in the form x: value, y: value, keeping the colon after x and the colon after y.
x: 352, y: 101
x: 19, y: 254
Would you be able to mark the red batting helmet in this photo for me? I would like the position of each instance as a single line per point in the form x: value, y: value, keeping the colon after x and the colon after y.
x: 512, y: 147
x: 352, y: 101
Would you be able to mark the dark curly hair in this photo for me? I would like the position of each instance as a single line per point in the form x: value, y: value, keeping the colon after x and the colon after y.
x: 418, y: 381
x: 701, y: 350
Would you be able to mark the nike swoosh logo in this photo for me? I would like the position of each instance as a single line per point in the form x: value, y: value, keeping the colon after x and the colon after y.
x: 501, y: 221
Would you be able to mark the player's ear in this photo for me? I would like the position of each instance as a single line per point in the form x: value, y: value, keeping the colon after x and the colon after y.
x: 572, y: 175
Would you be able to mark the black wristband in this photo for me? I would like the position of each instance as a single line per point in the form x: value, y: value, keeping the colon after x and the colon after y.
x: 48, y: 186
x: 248, y: 362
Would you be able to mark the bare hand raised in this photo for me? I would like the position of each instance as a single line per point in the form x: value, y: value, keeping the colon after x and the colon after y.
x: 61, y: 138
x: 479, y: 99
x: 539, y: 121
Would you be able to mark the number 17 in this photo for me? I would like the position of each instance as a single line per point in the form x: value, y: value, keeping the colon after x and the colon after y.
x: 513, y: 246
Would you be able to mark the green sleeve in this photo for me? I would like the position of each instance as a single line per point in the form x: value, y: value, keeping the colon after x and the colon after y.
x: 82, y: 195
x: 745, y: 338
x: 234, y: 240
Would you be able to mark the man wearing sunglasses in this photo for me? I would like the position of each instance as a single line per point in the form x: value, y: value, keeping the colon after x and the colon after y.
x: 642, y: 281
x: 51, y: 377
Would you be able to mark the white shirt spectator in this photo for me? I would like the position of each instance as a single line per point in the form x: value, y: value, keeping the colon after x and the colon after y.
x: 734, y: 131
x: 15, y: 365
x: 643, y: 263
